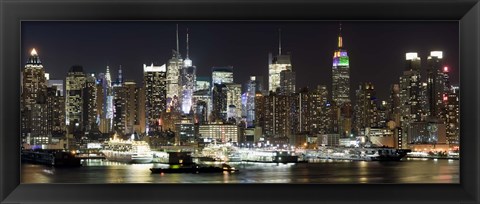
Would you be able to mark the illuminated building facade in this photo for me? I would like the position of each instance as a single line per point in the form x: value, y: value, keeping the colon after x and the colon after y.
x: 287, y: 82
x: 219, y: 102
x: 410, y: 95
x: 276, y: 65
x: 89, y: 103
x: 154, y: 82
x: 452, y: 116
x: 319, y: 121
x: 340, y: 74
x: 55, y: 111
x: 436, y: 84
x: 234, y: 101
x: 249, y: 102
x: 366, y: 114
x: 130, y: 106
x: 220, y: 132
x: 34, y: 84
x: 75, y: 84
x: 221, y: 75
x: 188, y: 82
x: 174, y: 66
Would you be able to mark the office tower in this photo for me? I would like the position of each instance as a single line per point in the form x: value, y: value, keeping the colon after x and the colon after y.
x: 249, y: 101
x: 394, y: 111
x: 340, y: 73
x: 57, y: 83
x: 108, y: 100
x: 202, y: 83
x: 234, y: 101
x: 318, y: 114
x: 276, y: 117
x: 75, y: 83
x: 219, y: 103
x: 287, y: 82
x: 33, y: 86
x: 89, y: 104
x: 140, y: 117
x: 276, y: 65
x: 221, y: 75
x: 452, y: 116
x: 118, y: 108
x: 220, y: 132
x: 259, y: 110
x: 55, y: 111
x: 435, y: 84
x: 300, y: 104
x: 365, y: 108
x: 185, y: 129
x: 174, y: 67
x: 188, y: 81
x: 101, y: 99
x: 130, y: 106
x: 410, y: 95
x: 154, y: 83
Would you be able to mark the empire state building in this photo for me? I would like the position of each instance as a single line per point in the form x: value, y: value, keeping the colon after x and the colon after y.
x: 340, y: 73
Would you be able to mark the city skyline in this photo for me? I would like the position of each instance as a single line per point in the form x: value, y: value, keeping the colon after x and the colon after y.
x: 206, y: 52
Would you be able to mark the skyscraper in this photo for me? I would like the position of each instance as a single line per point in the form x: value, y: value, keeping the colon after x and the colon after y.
x: 435, y: 84
x: 154, y: 82
x: 276, y: 65
x: 365, y: 108
x: 221, y: 75
x: 75, y: 83
x: 219, y: 102
x: 410, y: 95
x: 188, y: 82
x: 130, y: 106
x: 174, y: 67
x: 318, y: 114
x: 340, y: 73
x: 89, y: 103
x: 34, y: 84
x: 234, y: 101
x: 287, y: 82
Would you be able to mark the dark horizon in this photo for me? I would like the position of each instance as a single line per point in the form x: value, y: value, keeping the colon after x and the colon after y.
x: 376, y: 49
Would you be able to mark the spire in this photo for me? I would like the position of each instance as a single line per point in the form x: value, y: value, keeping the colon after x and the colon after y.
x: 187, y: 43
x: 178, y: 49
x: 34, y: 59
x: 33, y: 52
x: 340, y: 40
x: 279, y: 41
x: 187, y: 62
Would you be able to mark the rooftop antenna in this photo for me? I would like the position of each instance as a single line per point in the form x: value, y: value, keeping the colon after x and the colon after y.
x: 187, y: 43
x: 279, y: 41
x: 178, y: 49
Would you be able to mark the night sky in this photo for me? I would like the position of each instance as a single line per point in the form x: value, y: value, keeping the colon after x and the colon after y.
x: 376, y: 49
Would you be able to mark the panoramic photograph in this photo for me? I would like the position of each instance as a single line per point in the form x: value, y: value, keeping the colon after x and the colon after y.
x: 242, y: 102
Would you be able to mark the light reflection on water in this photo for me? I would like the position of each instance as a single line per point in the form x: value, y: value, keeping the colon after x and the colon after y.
x: 327, y: 171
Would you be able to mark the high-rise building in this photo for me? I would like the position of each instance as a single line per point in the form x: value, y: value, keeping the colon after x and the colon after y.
x: 154, y: 83
x: 220, y: 132
x: 318, y: 112
x: 276, y: 65
x: 89, y: 103
x: 55, y: 111
x: 202, y: 83
x: 365, y: 108
x: 140, y: 117
x: 188, y: 82
x: 174, y: 67
x: 34, y: 84
x: 108, y: 109
x: 221, y: 75
x: 340, y: 74
x: 436, y: 86
x: 219, y: 103
x: 249, y: 102
x: 234, y: 101
x: 130, y: 106
x: 452, y: 116
x: 410, y: 95
x: 394, y: 112
x: 75, y: 83
x: 119, y: 119
x: 287, y: 82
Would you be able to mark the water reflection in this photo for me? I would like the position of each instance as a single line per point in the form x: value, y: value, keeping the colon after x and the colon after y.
x: 327, y: 171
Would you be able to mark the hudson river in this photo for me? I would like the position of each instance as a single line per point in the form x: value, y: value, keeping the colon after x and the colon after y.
x: 406, y: 171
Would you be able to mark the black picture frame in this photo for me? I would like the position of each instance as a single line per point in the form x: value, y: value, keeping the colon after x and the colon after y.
x: 12, y: 12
